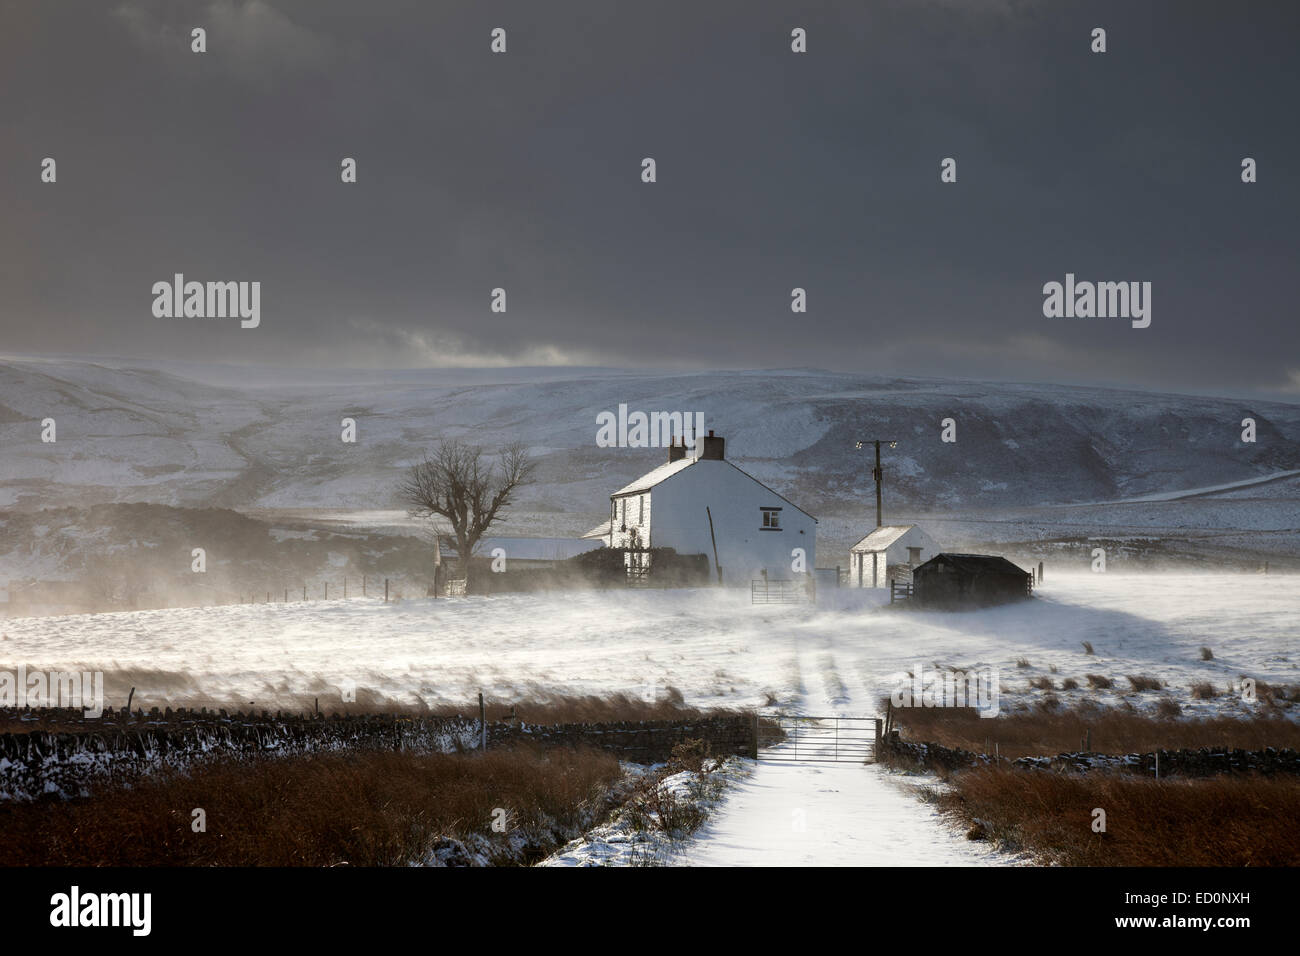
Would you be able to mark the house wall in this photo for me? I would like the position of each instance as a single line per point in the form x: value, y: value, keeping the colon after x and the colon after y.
x: 735, y: 500
x: 914, y: 538
x: 861, y: 564
x: 859, y: 570
x: 895, y: 554
x: 636, y: 525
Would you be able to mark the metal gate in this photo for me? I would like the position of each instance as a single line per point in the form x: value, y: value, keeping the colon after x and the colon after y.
x: 763, y: 591
x: 796, y: 738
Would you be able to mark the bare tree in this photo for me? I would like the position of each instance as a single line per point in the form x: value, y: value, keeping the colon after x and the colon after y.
x: 457, y: 484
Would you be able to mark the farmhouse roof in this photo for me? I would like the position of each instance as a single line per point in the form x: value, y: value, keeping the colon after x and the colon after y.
x: 600, y: 531
x: 669, y: 469
x: 882, y: 538
x: 655, y: 476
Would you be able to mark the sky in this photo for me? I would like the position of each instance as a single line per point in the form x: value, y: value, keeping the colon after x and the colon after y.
x: 775, y: 170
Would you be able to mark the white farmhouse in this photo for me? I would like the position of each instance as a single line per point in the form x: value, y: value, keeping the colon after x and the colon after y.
x: 753, y: 529
x: 889, y: 545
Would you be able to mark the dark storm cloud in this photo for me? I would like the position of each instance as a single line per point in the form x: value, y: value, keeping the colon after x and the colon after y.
x: 775, y: 170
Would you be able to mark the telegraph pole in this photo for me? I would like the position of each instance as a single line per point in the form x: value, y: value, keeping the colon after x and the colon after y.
x: 877, y: 474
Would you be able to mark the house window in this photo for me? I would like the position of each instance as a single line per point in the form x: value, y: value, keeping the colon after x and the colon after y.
x: 771, y: 519
x: 641, y: 515
x: 913, y: 555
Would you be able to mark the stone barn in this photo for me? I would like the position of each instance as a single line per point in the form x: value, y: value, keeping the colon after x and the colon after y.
x: 969, y: 580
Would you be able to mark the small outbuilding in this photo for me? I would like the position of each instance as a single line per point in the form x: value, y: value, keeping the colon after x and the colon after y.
x: 969, y: 580
x: 888, y: 553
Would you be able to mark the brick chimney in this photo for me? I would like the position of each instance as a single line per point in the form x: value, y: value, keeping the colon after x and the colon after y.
x: 713, y: 447
x: 677, y: 452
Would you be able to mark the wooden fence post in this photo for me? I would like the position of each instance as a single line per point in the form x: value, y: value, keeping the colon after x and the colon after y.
x: 304, y: 592
x: 363, y: 585
x: 482, y: 722
x: 385, y: 590
x: 880, y: 734
x: 715, y: 546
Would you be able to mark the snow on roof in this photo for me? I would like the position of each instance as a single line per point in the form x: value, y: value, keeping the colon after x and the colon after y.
x: 600, y: 531
x: 976, y: 563
x: 653, y: 477
x: 668, y: 469
x: 883, y: 537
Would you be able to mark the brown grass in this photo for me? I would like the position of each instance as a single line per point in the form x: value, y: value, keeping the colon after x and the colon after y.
x: 1271, y: 693
x: 1141, y: 682
x: 1168, y: 707
x: 1045, y: 732
x: 542, y: 709
x: 360, y: 809
x: 1221, y: 821
x: 591, y: 709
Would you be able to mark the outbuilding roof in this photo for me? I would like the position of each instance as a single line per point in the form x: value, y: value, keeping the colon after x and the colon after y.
x: 975, y: 563
x: 882, y: 538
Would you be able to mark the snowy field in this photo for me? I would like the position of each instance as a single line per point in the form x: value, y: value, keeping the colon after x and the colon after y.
x: 840, y: 657
x: 712, y: 646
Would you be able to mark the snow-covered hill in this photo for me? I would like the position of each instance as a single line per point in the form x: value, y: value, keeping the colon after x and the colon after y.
x: 173, y: 436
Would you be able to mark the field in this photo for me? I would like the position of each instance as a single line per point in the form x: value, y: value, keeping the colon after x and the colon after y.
x: 1224, y: 821
x: 356, y: 809
x: 711, y: 647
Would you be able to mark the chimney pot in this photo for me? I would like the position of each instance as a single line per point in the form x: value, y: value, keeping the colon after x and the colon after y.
x: 713, y: 447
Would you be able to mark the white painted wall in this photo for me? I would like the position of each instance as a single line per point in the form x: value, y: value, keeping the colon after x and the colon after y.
x: 914, y: 538
x: 635, y: 506
x: 897, y: 553
x: 735, y: 500
x: 860, y: 570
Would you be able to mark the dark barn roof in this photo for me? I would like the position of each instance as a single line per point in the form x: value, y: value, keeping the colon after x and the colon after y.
x: 975, y: 563
x: 969, y: 580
